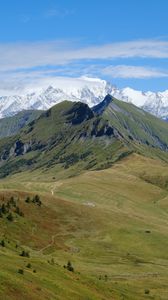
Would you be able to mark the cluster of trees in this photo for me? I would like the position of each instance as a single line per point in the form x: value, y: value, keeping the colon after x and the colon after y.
x: 36, y: 200
x: 29, y: 266
x: 7, y: 209
x: 69, y: 266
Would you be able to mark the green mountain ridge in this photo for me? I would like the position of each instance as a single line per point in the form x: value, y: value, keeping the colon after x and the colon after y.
x: 133, y: 123
x: 71, y: 137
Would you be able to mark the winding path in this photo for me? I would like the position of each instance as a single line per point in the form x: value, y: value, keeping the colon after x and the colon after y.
x: 49, y: 245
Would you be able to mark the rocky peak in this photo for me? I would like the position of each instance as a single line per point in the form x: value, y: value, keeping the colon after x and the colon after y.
x: 103, y: 105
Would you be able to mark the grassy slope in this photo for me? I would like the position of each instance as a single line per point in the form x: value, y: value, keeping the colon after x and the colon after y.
x: 35, y: 232
x: 134, y: 122
x: 111, y: 222
x: 57, y: 143
x: 12, y: 125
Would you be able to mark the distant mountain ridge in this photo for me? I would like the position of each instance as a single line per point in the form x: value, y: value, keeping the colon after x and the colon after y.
x: 88, y: 90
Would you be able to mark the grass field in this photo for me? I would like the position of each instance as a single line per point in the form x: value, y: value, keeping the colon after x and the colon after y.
x: 111, y: 224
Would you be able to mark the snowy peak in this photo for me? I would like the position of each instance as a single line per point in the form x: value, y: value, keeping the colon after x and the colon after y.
x: 88, y: 90
x: 154, y: 103
x: 45, y: 94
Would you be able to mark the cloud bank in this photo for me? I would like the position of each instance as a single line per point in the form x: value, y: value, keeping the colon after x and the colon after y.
x: 29, y: 55
x: 125, y: 71
x: 25, y: 62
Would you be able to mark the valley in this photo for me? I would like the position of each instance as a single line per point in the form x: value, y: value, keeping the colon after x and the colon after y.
x: 117, y: 246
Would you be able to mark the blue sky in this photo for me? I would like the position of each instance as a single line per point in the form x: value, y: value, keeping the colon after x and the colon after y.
x: 124, y: 41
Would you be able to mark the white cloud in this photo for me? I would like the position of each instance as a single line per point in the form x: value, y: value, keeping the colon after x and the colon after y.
x: 31, y: 55
x: 25, y: 63
x: 125, y: 71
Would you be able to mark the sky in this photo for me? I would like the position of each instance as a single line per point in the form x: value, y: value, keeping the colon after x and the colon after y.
x: 123, y: 41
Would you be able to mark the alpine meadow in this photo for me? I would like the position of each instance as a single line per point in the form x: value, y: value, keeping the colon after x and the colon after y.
x: 83, y: 150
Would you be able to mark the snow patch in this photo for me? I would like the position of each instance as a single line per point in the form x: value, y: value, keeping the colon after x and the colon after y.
x: 48, y: 92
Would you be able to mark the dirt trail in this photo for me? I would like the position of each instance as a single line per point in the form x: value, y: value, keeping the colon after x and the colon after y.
x: 133, y: 276
x: 49, y: 245
x: 55, y: 186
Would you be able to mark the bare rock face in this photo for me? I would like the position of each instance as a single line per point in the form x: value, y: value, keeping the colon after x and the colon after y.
x: 19, y: 148
x: 78, y: 113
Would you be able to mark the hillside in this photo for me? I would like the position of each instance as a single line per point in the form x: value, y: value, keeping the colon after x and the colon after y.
x: 111, y: 224
x: 71, y: 137
x: 12, y: 125
x: 134, y: 124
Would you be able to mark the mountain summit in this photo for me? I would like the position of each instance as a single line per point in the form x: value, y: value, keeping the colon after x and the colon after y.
x: 88, y: 90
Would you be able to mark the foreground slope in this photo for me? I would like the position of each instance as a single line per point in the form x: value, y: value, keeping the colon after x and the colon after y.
x: 111, y: 224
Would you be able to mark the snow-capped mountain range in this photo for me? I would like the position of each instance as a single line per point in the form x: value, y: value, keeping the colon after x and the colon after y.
x: 85, y: 89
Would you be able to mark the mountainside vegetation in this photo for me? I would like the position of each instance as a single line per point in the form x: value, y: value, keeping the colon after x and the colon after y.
x: 71, y: 137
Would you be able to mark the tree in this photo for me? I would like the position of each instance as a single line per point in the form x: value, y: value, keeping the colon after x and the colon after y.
x: 10, y: 217
x: 36, y: 200
x: 19, y: 212
x: 27, y: 200
x: 70, y: 267
x: 105, y: 277
x: 25, y: 253
x: 39, y: 203
x: 4, y: 209
x: 21, y: 271
x: 2, y: 243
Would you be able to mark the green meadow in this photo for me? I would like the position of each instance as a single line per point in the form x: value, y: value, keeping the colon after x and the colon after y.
x: 110, y: 224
